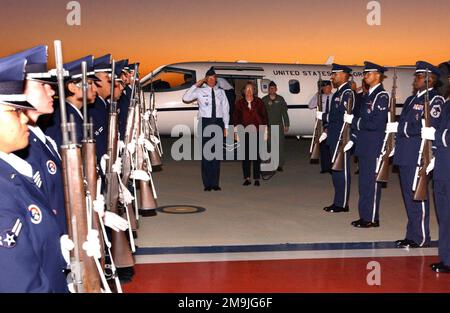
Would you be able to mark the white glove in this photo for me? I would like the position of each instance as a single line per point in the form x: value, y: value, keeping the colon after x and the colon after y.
x: 430, y: 166
x: 67, y: 245
x: 348, y: 118
x: 92, y: 244
x: 140, y: 175
x: 154, y: 139
x: 120, y: 146
x: 348, y: 146
x: 428, y: 133
x: 99, y: 205
x: 103, y: 163
x: 319, y: 115
x: 117, y: 166
x: 323, y: 137
x: 115, y: 222
x: 146, y: 116
x: 391, y: 127
x: 148, y: 145
x: 131, y: 147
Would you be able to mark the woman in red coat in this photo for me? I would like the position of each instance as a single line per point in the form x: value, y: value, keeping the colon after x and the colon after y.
x: 250, y: 111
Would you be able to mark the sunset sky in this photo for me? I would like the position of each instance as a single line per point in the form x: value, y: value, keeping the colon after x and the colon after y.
x: 286, y: 31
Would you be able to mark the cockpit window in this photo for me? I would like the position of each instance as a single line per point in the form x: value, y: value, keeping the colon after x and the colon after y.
x: 170, y: 79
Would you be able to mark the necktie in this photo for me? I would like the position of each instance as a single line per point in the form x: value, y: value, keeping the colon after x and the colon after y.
x: 327, y: 105
x: 213, y: 100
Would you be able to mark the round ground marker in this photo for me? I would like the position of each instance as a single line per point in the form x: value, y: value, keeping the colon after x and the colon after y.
x: 181, y: 209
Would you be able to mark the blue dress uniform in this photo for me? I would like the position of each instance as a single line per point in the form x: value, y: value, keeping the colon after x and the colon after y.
x: 370, y: 126
x: 99, y: 111
x: 441, y: 177
x: 213, y: 110
x: 30, y: 253
x: 325, y: 154
x: 334, y: 121
x: 53, y: 125
x: 406, y: 154
x: 42, y: 153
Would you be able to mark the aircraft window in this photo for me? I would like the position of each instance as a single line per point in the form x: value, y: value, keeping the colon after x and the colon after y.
x: 170, y: 79
x: 294, y: 86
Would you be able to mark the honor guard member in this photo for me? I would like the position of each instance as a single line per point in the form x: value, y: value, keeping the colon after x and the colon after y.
x: 30, y: 250
x: 370, y: 128
x: 124, y: 100
x: 340, y: 75
x: 277, y: 113
x: 74, y: 99
x: 407, y: 146
x: 327, y: 94
x: 99, y: 111
x: 213, y: 110
x: 441, y: 177
x: 42, y: 152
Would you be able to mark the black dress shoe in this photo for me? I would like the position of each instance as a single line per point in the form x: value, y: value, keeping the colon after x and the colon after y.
x: 354, y: 223
x: 365, y: 224
x: 441, y: 268
x: 338, y: 209
x: 247, y: 182
x: 401, y: 242
x: 207, y: 189
x: 436, y: 265
x: 279, y: 169
x: 256, y: 182
x: 216, y: 188
x: 328, y: 208
x: 409, y: 244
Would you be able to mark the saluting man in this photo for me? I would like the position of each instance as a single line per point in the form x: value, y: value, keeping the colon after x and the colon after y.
x: 441, y: 177
x: 213, y: 109
x: 407, y: 146
x: 370, y: 126
x: 340, y: 75
x: 30, y: 251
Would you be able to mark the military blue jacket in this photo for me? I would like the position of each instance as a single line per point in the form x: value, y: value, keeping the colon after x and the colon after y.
x: 30, y: 253
x: 122, y: 104
x: 44, y: 158
x: 53, y: 128
x: 335, y: 118
x: 408, y: 139
x: 369, y: 124
x: 99, y: 112
x: 441, y: 146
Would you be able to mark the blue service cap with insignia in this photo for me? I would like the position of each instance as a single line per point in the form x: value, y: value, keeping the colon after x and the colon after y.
x: 74, y: 68
x: 120, y: 66
x: 337, y: 68
x: 372, y: 67
x: 131, y: 67
x: 12, y: 77
x: 210, y: 72
x: 422, y: 67
x: 103, y: 63
x: 36, y: 68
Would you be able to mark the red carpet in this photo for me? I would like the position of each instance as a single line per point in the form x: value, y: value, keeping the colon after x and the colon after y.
x: 398, y: 274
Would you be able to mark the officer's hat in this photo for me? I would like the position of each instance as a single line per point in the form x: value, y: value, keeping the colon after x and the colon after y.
x: 337, y: 68
x: 210, y: 72
x: 120, y: 65
x: 74, y: 68
x: 36, y: 68
x: 12, y: 77
x: 103, y: 63
x: 372, y: 67
x: 422, y: 67
x: 272, y: 84
x: 130, y: 67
